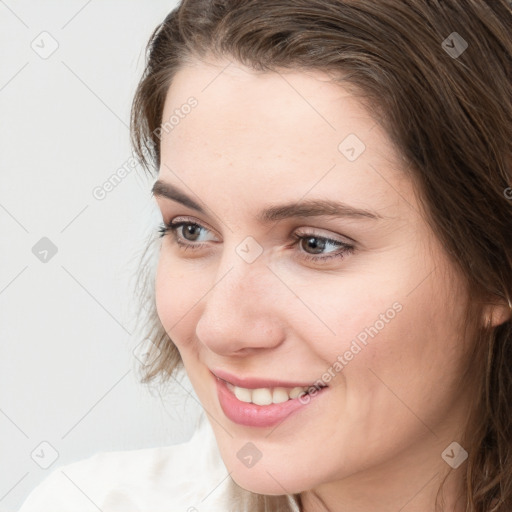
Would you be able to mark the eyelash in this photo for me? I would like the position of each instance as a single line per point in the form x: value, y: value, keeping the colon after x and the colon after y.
x: 346, y: 249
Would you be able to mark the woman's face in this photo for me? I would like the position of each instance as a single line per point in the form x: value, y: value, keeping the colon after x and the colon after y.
x: 378, y: 321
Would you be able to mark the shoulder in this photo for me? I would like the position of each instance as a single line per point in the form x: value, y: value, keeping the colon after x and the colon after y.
x: 143, y: 480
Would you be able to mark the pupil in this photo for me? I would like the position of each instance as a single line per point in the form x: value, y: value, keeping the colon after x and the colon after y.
x: 314, y: 244
x: 189, y: 229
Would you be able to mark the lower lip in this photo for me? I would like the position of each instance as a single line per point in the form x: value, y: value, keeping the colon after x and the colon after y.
x: 253, y: 415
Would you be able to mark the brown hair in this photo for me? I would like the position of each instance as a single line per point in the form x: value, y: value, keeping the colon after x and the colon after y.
x: 449, y: 115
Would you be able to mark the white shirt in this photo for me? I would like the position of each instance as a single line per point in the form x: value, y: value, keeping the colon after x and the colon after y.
x: 186, y: 477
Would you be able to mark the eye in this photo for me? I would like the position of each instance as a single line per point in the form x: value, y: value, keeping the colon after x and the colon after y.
x: 314, y: 245
x: 185, y: 230
x: 193, y: 236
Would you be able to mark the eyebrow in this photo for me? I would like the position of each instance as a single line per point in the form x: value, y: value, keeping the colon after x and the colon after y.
x: 306, y: 208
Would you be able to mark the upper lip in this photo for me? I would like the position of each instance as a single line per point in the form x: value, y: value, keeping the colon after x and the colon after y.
x: 257, y: 382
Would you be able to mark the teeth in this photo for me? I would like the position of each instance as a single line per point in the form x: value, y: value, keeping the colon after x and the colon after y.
x: 295, y: 392
x: 244, y: 395
x: 261, y: 396
x: 279, y: 395
x: 266, y: 396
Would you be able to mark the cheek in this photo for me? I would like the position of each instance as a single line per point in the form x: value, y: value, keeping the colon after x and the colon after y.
x: 386, y: 322
x: 413, y: 363
x: 174, y: 296
x: 347, y: 315
x: 164, y: 296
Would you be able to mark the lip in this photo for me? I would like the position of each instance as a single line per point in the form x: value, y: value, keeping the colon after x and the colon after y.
x: 252, y: 415
x: 255, y: 382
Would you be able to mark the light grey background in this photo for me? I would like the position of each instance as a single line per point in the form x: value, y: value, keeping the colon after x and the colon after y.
x: 68, y: 374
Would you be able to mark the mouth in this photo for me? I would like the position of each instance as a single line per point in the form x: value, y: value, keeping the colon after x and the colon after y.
x: 263, y: 406
x: 270, y: 395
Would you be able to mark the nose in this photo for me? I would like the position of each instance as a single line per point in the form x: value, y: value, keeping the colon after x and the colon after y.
x: 242, y: 311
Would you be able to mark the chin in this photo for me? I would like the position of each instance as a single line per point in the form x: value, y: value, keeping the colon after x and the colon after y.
x: 271, y: 482
x: 264, y: 485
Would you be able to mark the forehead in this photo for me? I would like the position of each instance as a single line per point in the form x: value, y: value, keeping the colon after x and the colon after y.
x: 238, y: 99
x: 271, y: 129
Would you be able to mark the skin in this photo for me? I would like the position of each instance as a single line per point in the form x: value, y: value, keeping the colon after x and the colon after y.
x: 374, y: 439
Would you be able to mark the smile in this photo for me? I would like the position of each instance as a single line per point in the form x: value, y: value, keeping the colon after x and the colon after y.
x: 267, y: 396
x: 263, y: 406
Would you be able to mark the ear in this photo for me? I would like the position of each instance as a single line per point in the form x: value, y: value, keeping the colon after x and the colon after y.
x: 497, y: 314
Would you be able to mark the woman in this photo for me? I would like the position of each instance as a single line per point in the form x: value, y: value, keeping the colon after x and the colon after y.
x: 335, y: 263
